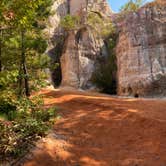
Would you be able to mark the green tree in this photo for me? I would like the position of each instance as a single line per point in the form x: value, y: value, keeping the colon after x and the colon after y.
x: 22, y: 19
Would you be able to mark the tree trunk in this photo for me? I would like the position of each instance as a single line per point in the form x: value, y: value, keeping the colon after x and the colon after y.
x: 23, y: 69
x: 26, y: 79
x: 0, y: 50
x: 20, y: 81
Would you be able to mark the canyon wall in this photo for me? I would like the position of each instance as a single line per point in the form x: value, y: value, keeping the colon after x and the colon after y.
x: 141, y: 52
x: 81, y: 48
x: 54, y: 31
x: 81, y: 51
x: 77, y: 6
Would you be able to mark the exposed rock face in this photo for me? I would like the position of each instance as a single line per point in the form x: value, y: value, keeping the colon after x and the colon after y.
x: 77, y: 6
x: 141, y: 52
x: 78, y: 53
x: 78, y: 60
x: 60, y: 8
x: 82, y: 47
x: 56, y: 38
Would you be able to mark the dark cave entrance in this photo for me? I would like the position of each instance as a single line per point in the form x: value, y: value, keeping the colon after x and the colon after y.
x: 56, y: 74
x: 105, y: 76
x: 55, y: 65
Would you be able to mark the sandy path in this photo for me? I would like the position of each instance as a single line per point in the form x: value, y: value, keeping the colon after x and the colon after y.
x: 99, y: 130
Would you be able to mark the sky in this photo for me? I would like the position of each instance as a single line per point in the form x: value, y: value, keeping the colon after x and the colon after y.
x: 116, y: 4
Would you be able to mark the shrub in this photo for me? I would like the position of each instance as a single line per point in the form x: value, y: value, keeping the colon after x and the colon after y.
x: 30, y: 127
x: 8, y: 138
x: 70, y: 22
x: 29, y: 120
x: 7, y: 78
x: 129, y: 7
x: 132, y: 6
x: 8, y: 104
x: 104, y: 27
x: 15, y: 136
x: 45, y: 115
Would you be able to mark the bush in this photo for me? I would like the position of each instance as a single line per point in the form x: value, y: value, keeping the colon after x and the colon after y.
x: 8, y: 138
x: 15, y: 136
x: 8, y: 106
x: 29, y: 121
x: 104, y: 27
x: 45, y: 115
x: 132, y: 6
x: 30, y: 127
x: 70, y: 22
x: 7, y: 78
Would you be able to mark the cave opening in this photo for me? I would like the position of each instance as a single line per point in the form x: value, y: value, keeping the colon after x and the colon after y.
x: 56, y: 75
x: 55, y: 65
x: 136, y: 95
x: 108, y: 68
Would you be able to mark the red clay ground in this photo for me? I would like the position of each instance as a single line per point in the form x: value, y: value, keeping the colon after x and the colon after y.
x: 99, y: 130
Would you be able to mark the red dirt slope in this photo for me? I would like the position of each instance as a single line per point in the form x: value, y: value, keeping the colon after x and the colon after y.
x: 99, y: 130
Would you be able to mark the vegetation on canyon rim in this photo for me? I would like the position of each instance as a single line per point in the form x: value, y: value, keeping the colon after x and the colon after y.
x: 132, y: 6
x: 22, y: 62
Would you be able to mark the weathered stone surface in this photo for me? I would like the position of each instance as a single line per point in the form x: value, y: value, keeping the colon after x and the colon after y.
x: 55, y: 35
x: 77, y: 6
x: 141, y: 52
x: 53, y: 30
x: 81, y: 50
x: 141, y: 48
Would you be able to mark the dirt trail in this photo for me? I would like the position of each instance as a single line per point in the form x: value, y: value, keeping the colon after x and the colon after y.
x: 99, y: 130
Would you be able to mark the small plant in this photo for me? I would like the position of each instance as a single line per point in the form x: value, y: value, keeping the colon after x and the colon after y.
x: 45, y: 115
x: 8, y: 138
x: 132, y: 6
x: 104, y: 27
x: 8, y: 106
x: 7, y: 78
x: 70, y: 22
x: 15, y: 135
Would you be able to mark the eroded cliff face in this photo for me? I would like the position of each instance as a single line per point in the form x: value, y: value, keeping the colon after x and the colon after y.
x: 77, y: 6
x: 81, y: 52
x: 141, y: 52
x: 81, y: 48
x: 53, y: 30
x: 55, y: 34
